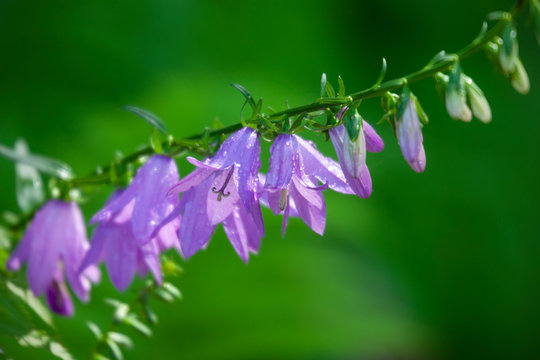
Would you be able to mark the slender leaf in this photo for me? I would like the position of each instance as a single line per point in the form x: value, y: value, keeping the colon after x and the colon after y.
x: 95, y: 330
x: 41, y: 163
x: 132, y: 321
x: 247, y: 95
x: 120, y: 339
x: 115, y: 349
x: 323, y: 85
x: 150, y: 118
x: 59, y: 351
x: 29, y: 187
x: 341, y: 91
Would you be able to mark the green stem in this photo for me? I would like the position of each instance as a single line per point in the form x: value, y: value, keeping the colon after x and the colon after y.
x: 430, y: 70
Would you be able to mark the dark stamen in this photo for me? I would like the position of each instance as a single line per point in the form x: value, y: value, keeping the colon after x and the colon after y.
x: 221, y: 192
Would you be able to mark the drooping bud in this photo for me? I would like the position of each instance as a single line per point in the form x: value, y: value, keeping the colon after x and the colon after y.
x: 456, y: 101
x: 354, y: 150
x: 509, y: 51
x: 479, y: 104
x: 520, y: 79
x: 409, y: 132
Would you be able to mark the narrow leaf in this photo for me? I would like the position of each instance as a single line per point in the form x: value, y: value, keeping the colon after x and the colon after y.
x: 29, y: 186
x: 132, y: 321
x: 95, y: 330
x: 329, y: 90
x: 41, y: 163
x: 323, y: 85
x: 147, y: 116
x: 120, y: 339
x: 247, y: 95
x: 60, y: 351
x: 341, y: 91
x: 382, y: 73
x: 173, y: 290
x: 115, y: 349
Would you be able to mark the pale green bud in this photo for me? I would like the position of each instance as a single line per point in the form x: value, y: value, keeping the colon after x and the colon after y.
x: 520, y: 79
x: 509, y: 51
x: 456, y: 100
x: 479, y: 104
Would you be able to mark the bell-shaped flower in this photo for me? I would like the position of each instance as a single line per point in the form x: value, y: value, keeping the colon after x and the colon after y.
x: 352, y: 155
x: 410, y: 138
x: 223, y: 190
x: 54, y: 246
x: 114, y: 242
x: 148, y: 191
x: 291, y: 185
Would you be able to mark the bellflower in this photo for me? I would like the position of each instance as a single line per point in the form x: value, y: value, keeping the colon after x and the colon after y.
x: 410, y: 138
x: 291, y: 184
x: 148, y: 191
x: 54, y: 245
x: 352, y: 155
x: 223, y: 190
x: 114, y: 242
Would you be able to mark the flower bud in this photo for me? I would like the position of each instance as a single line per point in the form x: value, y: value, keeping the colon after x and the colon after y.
x: 456, y: 101
x: 520, y: 79
x: 509, y: 51
x: 354, y: 151
x: 479, y: 104
x: 409, y: 135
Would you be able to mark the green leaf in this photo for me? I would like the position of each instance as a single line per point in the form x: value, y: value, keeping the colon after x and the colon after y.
x: 422, y: 116
x: 120, y: 339
x: 59, y: 351
x: 323, y: 85
x: 156, y: 142
x: 32, y: 302
x: 131, y: 320
x: 147, y: 116
x: 115, y: 349
x: 29, y: 186
x: 95, y: 330
x: 98, y: 356
x: 341, y: 91
x: 382, y: 73
x: 329, y: 89
x: 34, y: 338
x: 247, y: 95
x: 353, y: 123
x: 41, y: 163
x: 163, y: 295
x: 173, y: 290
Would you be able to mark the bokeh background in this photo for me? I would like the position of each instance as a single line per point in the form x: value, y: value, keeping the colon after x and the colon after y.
x: 443, y: 265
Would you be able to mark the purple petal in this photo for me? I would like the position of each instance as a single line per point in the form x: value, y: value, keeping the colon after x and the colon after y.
x: 196, y: 229
x: 222, y: 197
x: 242, y: 231
x: 150, y: 255
x: 283, y: 159
x: 419, y: 164
x: 325, y: 169
x: 157, y: 176
x: 192, y: 179
x: 374, y: 143
x: 310, y: 206
x: 22, y: 251
x: 58, y: 297
x: 96, y: 253
x: 410, y: 134
x: 285, y: 219
x: 360, y: 185
x: 47, y: 237
x: 116, y: 202
x: 120, y: 254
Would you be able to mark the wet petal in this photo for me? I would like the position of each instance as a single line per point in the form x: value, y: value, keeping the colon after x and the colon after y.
x: 374, y: 142
x: 310, y: 206
x: 312, y: 162
x: 120, y: 254
x: 283, y: 159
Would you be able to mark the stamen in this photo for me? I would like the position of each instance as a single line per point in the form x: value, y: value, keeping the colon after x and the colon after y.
x: 221, y: 192
x: 283, y: 196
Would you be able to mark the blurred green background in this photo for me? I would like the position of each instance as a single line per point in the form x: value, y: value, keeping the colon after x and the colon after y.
x: 443, y: 265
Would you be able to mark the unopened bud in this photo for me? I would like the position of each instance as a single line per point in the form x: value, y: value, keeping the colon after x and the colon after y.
x: 456, y: 100
x: 479, y: 104
x: 509, y: 51
x: 354, y: 152
x: 520, y: 79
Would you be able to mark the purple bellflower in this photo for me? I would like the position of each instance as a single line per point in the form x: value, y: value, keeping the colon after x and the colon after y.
x: 291, y: 184
x: 352, y: 155
x: 148, y: 190
x: 127, y: 237
x: 54, y: 245
x: 410, y: 138
x: 114, y: 242
x: 223, y: 190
